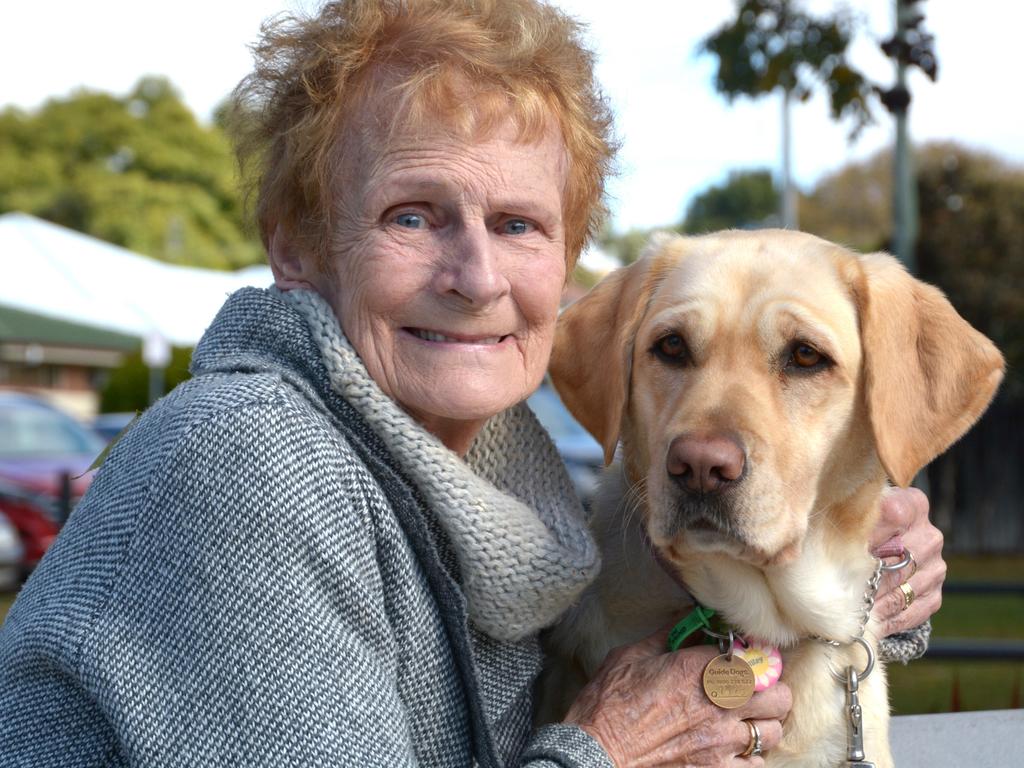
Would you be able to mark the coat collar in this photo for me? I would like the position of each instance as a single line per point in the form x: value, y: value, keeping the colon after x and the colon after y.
x: 524, y: 551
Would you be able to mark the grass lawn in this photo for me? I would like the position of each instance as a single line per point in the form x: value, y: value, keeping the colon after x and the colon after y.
x: 926, y: 686
x: 6, y: 598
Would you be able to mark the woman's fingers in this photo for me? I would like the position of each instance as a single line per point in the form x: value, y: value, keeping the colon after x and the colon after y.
x: 925, y: 587
x: 647, y: 706
x: 770, y: 732
x: 904, y: 519
x: 771, y: 704
x: 900, y: 508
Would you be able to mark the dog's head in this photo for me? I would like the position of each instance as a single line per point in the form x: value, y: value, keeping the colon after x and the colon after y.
x: 761, y: 381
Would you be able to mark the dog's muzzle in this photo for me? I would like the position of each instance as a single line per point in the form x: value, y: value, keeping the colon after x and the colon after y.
x: 705, y: 463
x: 704, y: 469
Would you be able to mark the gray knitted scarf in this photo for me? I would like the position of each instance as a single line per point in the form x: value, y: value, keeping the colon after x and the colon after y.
x: 524, y: 550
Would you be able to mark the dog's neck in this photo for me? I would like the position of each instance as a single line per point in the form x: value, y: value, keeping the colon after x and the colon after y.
x: 819, y: 593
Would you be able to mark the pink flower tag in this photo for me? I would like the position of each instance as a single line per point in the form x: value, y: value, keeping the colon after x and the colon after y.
x: 764, y: 659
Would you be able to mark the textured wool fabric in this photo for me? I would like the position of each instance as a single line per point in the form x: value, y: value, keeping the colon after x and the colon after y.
x: 906, y: 646
x: 255, y: 579
x: 509, y: 510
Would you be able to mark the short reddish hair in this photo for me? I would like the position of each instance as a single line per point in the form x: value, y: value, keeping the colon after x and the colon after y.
x: 469, y: 63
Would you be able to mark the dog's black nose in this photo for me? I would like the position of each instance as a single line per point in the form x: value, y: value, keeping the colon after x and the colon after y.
x: 705, y: 463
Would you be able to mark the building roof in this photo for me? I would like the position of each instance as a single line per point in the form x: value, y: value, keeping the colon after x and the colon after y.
x: 57, y: 273
x: 30, y: 328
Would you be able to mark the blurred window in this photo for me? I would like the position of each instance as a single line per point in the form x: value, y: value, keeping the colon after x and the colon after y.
x: 34, y: 431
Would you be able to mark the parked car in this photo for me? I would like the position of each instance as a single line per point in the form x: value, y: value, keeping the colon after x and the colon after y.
x: 44, y: 459
x: 11, y: 553
x: 110, y: 425
x: 582, y: 454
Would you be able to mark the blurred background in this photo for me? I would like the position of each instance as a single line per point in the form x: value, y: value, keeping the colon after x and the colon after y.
x: 881, y: 124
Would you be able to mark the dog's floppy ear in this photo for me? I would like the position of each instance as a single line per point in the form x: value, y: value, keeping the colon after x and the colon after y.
x: 592, y: 357
x: 928, y: 374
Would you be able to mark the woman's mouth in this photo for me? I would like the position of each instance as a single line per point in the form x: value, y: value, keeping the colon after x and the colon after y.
x: 427, y: 335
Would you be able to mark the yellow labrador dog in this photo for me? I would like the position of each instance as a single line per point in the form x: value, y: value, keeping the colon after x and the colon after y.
x: 763, y: 385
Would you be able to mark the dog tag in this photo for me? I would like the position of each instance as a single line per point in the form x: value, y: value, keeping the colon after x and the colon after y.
x: 728, y: 681
x: 765, y: 660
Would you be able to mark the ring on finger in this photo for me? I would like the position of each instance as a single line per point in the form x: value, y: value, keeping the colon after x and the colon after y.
x: 908, y: 594
x: 907, y: 559
x: 754, y: 747
x: 913, y: 564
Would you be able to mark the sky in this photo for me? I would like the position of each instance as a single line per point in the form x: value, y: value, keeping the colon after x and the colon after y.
x: 677, y: 135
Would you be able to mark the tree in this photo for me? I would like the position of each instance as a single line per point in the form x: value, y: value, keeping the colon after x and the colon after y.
x: 971, y: 244
x: 625, y: 246
x: 972, y: 233
x: 138, y: 171
x: 772, y: 45
x: 746, y: 200
x: 853, y: 205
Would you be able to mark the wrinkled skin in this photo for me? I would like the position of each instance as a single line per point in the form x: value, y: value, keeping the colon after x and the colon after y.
x: 646, y: 707
x: 905, y: 520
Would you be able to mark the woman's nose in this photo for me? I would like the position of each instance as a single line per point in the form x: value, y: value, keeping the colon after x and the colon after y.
x: 474, y: 271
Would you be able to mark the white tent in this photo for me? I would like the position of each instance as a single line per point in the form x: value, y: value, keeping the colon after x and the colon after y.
x: 56, y: 272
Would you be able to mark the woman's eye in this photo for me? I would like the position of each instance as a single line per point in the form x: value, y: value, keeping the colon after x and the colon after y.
x: 671, y: 348
x: 516, y: 227
x: 411, y: 220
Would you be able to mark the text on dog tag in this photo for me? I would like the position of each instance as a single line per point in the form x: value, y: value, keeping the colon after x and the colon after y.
x: 728, y: 681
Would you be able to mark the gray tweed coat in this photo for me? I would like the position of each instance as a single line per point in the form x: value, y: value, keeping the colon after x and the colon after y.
x: 252, y: 580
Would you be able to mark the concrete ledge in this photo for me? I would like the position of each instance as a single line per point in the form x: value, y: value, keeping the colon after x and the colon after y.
x: 993, y: 739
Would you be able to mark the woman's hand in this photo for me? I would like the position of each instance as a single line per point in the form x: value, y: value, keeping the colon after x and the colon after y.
x: 647, y: 707
x: 904, y: 526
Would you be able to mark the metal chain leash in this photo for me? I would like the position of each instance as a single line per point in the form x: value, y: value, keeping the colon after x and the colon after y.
x: 851, y: 679
x: 870, y: 593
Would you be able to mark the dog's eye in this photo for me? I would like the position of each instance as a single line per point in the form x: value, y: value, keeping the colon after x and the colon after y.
x: 671, y: 348
x: 805, y: 358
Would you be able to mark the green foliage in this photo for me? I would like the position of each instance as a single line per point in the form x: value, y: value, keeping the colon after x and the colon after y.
x: 853, y: 205
x: 971, y: 244
x: 971, y: 233
x: 138, y: 171
x: 772, y: 44
x: 747, y: 199
x: 127, y: 388
x: 626, y: 246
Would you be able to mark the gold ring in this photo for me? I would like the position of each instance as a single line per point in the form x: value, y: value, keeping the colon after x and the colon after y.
x: 754, y: 747
x: 908, y: 594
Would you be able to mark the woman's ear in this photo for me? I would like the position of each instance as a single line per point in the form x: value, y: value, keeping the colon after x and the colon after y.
x: 592, y: 358
x: 291, y: 266
x: 928, y: 374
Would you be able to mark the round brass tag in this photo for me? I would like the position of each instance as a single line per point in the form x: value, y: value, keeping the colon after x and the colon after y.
x: 729, y: 683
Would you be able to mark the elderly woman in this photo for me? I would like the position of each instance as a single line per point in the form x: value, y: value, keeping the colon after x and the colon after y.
x: 337, y: 543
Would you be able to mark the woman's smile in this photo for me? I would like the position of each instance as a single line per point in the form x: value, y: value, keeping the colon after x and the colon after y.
x: 462, y: 339
x: 449, y: 269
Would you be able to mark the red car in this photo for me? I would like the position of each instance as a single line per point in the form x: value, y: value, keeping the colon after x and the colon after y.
x: 44, y: 455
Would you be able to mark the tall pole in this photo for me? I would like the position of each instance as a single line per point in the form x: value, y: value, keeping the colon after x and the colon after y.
x: 789, y: 201
x: 904, y: 188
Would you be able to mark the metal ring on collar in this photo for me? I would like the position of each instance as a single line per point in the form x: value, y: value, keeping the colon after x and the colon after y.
x: 754, y: 748
x: 908, y: 558
x: 870, y: 665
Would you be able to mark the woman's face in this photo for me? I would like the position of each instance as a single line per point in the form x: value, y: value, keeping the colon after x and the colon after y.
x: 449, y: 268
